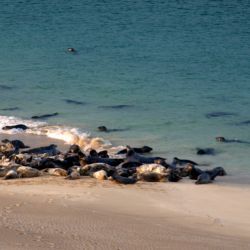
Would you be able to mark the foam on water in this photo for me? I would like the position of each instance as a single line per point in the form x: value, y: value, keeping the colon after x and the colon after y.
x: 67, y: 134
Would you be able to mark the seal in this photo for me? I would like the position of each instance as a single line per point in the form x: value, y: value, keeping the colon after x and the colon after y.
x: 27, y: 172
x: 100, y: 175
x: 8, y: 149
x: 151, y: 168
x: 44, y: 116
x: 223, y: 139
x: 4, y: 171
x: 74, y: 175
x: 142, y: 150
x: 129, y: 164
x: 191, y: 171
x: 71, y: 50
x: 102, y: 129
x: 173, y: 175
x: 152, y: 177
x: 203, y: 178
x: 133, y: 156
x: 93, y: 159
x: 217, y: 171
x: 18, y: 126
x: 22, y: 159
x: 122, y: 180
x: 103, y: 154
x: 220, y: 114
x: 181, y: 162
x: 43, y: 163
x: 151, y: 173
x: 205, y: 151
x: 105, y: 129
x: 16, y: 143
x: 50, y: 150
x: 75, y: 149
x: 74, y: 102
x: 56, y: 171
x: 89, y: 169
x: 71, y: 160
x: 11, y: 174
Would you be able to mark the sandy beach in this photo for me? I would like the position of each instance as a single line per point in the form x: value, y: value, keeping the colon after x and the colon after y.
x: 54, y: 213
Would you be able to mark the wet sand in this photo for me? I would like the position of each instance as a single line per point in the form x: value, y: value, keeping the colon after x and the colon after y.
x: 53, y: 213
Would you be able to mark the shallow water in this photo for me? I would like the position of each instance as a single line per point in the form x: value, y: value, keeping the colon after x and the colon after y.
x: 171, y: 62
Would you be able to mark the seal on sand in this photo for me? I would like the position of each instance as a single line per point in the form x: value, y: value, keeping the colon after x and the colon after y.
x: 11, y: 174
x: 203, y: 178
x: 16, y: 143
x: 181, y: 162
x: 133, y: 156
x: 100, y: 175
x: 50, y: 150
x: 94, y: 167
x: 152, y: 177
x: 74, y: 175
x: 122, y: 180
x: 27, y: 172
x: 56, y: 171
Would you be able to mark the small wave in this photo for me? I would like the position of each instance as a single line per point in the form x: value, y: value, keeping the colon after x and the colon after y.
x: 67, y: 134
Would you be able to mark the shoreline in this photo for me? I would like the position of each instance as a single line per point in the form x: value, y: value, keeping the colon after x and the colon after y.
x: 54, y: 213
x: 234, y: 177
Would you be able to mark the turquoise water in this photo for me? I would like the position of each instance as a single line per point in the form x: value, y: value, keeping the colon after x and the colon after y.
x: 172, y: 61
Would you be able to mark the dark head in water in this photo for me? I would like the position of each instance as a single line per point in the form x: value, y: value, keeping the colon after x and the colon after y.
x: 71, y: 50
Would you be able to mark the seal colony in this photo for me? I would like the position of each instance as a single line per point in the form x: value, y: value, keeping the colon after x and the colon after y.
x: 126, y: 166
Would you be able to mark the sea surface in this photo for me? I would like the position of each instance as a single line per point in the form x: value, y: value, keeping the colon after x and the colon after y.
x: 169, y: 74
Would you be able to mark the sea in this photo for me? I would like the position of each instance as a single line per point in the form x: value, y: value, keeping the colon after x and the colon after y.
x: 172, y: 74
